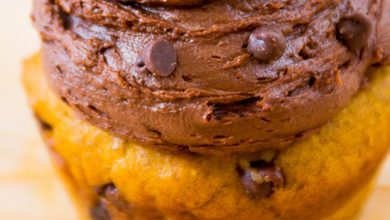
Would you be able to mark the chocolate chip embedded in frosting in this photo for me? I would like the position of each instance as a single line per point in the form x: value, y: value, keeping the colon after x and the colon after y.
x: 354, y: 31
x: 261, y: 178
x: 160, y: 57
x: 266, y: 44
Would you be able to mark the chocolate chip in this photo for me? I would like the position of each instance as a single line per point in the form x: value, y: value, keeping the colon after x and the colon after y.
x: 44, y: 126
x: 261, y: 178
x: 354, y: 31
x: 99, y: 212
x: 112, y: 195
x: 266, y: 44
x: 160, y: 57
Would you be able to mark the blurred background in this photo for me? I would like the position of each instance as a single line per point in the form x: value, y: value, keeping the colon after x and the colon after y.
x: 29, y: 188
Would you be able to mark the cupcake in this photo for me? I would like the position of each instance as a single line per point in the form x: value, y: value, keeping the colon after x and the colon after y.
x: 211, y: 110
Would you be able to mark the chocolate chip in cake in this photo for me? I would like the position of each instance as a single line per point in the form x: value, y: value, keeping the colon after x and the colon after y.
x: 261, y: 178
x: 99, y: 212
x: 43, y: 125
x: 160, y: 57
x: 354, y: 31
x: 266, y: 44
x: 111, y: 194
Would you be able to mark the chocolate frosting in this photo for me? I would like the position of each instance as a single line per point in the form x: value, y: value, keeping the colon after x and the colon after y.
x: 211, y: 76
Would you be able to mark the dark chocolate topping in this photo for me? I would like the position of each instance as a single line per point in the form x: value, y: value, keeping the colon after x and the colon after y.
x: 162, y: 2
x: 214, y: 89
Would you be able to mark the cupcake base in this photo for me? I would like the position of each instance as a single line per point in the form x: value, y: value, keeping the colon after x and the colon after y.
x: 325, y: 176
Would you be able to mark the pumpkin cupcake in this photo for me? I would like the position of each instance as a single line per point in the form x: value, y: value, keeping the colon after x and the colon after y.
x: 219, y: 109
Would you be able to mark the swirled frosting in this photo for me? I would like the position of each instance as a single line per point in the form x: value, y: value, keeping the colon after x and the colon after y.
x: 210, y: 76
